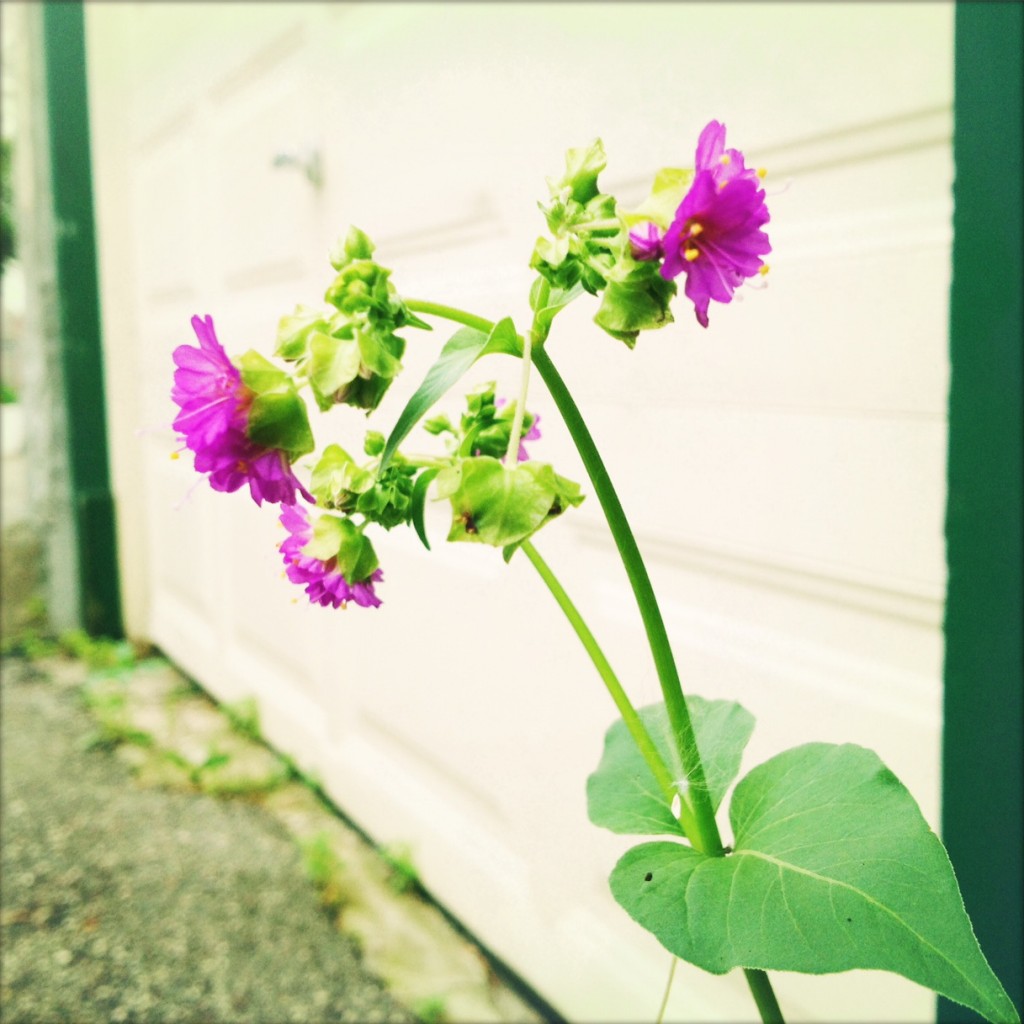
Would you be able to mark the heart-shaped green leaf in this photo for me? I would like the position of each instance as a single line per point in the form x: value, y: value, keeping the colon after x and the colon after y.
x: 834, y: 868
x: 461, y: 351
x: 622, y: 794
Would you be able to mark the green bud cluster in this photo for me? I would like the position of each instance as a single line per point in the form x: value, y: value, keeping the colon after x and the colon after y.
x: 589, y: 246
x: 494, y: 503
x: 484, y: 428
x: 350, y: 354
x: 340, y: 483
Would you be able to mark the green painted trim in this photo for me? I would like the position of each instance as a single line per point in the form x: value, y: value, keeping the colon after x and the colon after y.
x: 77, y: 292
x: 982, y: 761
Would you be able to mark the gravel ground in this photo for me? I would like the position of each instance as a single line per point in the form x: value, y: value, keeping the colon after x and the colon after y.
x: 124, y: 904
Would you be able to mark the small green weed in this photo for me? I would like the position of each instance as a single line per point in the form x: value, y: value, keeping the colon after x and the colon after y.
x: 244, y: 716
x: 107, y: 701
x: 100, y: 654
x: 30, y: 643
x: 403, y: 876
x: 310, y: 780
x: 432, y: 1010
x: 324, y: 868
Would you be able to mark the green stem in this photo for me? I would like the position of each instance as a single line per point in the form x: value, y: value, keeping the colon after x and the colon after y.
x: 629, y: 714
x: 705, y: 833
x: 512, y: 454
x: 764, y: 996
x: 458, y: 316
x: 707, y: 837
x: 668, y: 990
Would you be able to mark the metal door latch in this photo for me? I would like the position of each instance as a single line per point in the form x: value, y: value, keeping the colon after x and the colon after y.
x: 309, y: 163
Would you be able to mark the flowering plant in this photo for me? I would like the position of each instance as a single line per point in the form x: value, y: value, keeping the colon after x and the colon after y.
x: 833, y: 866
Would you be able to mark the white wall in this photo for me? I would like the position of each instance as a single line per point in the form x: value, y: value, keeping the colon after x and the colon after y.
x: 784, y: 470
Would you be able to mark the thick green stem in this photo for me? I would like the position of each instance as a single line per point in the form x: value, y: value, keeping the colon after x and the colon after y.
x: 707, y: 837
x: 636, y: 727
x: 764, y: 996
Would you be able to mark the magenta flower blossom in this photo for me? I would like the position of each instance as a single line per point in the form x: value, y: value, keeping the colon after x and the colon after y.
x: 212, y: 423
x: 726, y: 164
x: 716, y: 238
x: 234, y: 460
x: 209, y: 389
x: 323, y: 581
x: 645, y: 242
x: 533, y: 434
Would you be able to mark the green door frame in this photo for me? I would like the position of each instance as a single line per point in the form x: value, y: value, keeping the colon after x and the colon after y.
x: 77, y: 296
x: 982, y: 763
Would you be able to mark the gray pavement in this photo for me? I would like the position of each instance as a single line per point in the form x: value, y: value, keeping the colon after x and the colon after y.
x: 122, y: 903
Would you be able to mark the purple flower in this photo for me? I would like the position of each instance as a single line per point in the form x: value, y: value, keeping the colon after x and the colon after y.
x: 726, y: 164
x: 209, y: 389
x: 323, y: 581
x: 716, y: 237
x: 645, y: 242
x: 235, y: 460
x: 214, y: 414
x: 533, y: 434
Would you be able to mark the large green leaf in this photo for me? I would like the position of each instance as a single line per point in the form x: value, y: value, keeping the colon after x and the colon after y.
x: 461, y: 351
x: 622, y: 794
x: 834, y: 868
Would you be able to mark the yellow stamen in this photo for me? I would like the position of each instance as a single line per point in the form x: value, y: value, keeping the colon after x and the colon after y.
x: 725, y: 159
x: 696, y: 229
x: 175, y: 455
x: 691, y: 254
x: 762, y: 172
x: 763, y: 269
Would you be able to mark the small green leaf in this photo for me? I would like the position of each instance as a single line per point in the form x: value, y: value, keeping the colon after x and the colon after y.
x: 294, y: 329
x: 334, y: 363
x: 640, y: 302
x: 328, y: 535
x: 343, y: 540
x: 419, y: 501
x: 277, y: 419
x: 259, y: 374
x: 622, y: 794
x: 461, y: 351
x: 545, y: 304
x: 336, y: 478
x: 834, y: 869
x: 582, y: 166
x: 670, y: 186
x: 380, y: 352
